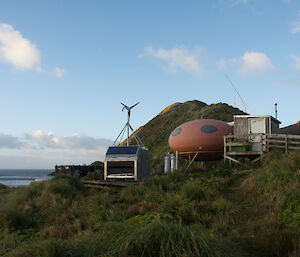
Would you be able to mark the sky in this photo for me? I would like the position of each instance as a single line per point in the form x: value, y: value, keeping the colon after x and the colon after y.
x: 65, y: 66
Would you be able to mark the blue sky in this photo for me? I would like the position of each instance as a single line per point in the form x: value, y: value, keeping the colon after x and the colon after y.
x: 66, y: 65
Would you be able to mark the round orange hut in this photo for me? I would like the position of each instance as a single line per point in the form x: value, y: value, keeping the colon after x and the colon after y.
x: 204, y: 137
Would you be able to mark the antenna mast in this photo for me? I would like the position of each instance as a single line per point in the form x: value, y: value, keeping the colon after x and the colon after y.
x: 226, y: 76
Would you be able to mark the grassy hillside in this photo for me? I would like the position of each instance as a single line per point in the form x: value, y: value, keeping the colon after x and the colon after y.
x: 224, y: 213
x: 155, y: 133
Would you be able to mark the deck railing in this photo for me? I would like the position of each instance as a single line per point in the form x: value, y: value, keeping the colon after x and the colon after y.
x: 258, y: 144
x: 281, y: 141
x: 244, y: 144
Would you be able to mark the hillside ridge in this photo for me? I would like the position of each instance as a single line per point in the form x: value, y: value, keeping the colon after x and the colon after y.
x: 155, y: 133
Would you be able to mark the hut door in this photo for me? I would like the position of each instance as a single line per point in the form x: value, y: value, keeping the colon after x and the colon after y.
x: 256, y: 126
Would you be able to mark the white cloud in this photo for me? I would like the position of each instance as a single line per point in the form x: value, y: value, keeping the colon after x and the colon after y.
x: 296, y: 25
x: 177, y: 58
x: 255, y: 62
x: 44, y: 150
x: 296, y: 62
x: 249, y: 63
x: 17, y: 50
x: 77, y: 141
x: 59, y: 72
x: 8, y: 141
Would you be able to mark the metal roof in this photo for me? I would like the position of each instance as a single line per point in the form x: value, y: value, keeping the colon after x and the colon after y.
x: 122, y: 150
x: 256, y: 116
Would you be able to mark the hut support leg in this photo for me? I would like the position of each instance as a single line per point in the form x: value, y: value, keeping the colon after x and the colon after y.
x: 232, y: 159
x: 258, y: 158
x: 191, y: 162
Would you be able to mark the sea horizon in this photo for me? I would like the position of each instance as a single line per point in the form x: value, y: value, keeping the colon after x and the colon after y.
x: 23, y: 177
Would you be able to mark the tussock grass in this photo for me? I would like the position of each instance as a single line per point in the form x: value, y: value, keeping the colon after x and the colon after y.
x: 204, y: 213
x: 193, y: 191
x: 167, y: 239
x: 275, y: 189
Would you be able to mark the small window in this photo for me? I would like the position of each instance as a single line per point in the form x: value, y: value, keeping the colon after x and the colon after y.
x: 176, y: 132
x: 209, y: 129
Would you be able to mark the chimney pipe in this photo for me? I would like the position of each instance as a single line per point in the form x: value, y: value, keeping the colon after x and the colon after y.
x: 276, y: 111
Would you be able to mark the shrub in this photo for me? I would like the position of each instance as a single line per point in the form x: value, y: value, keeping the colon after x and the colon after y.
x: 167, y: 239
x: 223, y: 206
x: 66, y: 186
x: 92, y: 176
x: 15, y: 211
x: 3, y: 187
x: 188, y: 213
x: 148, y: 218
x: 193, y: 190
x: 290, y: 216
x: 161, y: 183
x: 47, y: 248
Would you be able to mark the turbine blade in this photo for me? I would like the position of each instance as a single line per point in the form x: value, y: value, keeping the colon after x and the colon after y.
x: 125, y: 106
x: 134, y: 105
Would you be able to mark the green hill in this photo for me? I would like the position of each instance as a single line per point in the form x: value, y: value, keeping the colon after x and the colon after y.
x: 155, y: 133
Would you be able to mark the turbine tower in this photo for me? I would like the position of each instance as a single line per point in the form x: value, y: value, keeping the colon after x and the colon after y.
x: 128, y: 126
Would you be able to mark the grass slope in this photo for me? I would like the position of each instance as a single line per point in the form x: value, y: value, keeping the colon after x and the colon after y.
x: 156, y: 132
x: 250, y: 213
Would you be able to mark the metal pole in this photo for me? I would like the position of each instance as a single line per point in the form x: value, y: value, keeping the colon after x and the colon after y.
x: 176, y: 159
x: 128, y: 127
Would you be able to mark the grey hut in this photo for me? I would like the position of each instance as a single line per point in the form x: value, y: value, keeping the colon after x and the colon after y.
x: 248, y: 124
x: 126, y: 163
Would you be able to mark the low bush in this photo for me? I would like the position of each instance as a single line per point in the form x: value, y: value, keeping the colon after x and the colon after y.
x: 290, y: 216
x: 193, y: 190
x: 92, y: 176
x: 168, y: 239
x: 46, y: 248
x: 67, y: 186
x: 3, y: 187
x: 148, y: 218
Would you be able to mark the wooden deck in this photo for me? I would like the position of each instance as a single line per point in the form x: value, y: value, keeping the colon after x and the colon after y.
x: 254, y: 146
x: 104, y: 184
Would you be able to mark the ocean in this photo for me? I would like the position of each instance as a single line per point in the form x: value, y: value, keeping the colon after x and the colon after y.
x: 14, y: 178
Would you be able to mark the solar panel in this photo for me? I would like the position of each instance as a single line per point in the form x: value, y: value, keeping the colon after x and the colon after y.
x: 119, y: 150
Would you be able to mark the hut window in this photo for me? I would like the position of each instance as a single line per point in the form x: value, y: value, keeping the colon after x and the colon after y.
x: 209, y: 129
x: 176, y: 132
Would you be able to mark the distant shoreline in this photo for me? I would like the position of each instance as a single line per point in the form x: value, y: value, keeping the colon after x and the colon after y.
x: 23, y: 177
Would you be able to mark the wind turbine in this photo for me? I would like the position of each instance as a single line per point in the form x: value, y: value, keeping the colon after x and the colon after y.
x: 128, y: 118
x: 128, y: 126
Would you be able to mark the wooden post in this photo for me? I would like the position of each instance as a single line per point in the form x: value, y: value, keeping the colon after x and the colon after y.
x: 286, y: 144
x: 191, y: 162
x: 225, y: 151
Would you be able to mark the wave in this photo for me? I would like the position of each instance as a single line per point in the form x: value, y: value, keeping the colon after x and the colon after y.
x: 16, y: 178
